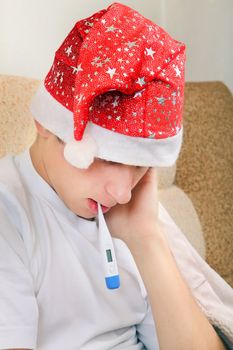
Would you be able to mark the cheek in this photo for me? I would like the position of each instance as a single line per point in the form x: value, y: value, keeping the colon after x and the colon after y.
x: 55, y: 152
x: 73, y: 185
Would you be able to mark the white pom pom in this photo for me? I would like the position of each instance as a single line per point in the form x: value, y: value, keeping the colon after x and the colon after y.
x: 81, y: 153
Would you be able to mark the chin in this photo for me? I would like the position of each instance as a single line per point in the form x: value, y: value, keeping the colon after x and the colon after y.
x: 87, y: 218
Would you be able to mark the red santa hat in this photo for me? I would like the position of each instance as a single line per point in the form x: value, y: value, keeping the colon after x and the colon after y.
x: 115, y: 91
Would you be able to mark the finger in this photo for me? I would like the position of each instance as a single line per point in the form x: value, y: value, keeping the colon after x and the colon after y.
x: 146, y: 191
x: 151, y: 176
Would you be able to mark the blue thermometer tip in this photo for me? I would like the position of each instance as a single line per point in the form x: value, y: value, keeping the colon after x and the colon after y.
x: 113, y: 282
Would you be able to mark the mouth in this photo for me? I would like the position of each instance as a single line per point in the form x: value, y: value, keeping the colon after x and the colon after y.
x: 94, y: 207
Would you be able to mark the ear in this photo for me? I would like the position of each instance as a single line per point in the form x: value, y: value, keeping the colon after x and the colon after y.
x: 41, y: 130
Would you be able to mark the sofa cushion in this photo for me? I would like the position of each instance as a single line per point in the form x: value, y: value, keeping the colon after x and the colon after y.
x: 205, y: 168
x: 17, y: 129
x: 182, y: 211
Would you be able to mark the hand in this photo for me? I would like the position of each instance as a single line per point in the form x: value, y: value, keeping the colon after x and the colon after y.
x: 137, y: 219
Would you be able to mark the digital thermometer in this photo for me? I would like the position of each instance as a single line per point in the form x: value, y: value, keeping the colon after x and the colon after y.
x: 112, y: 278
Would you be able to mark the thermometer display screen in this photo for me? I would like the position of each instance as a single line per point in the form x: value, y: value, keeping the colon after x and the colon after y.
x: 109, y: 255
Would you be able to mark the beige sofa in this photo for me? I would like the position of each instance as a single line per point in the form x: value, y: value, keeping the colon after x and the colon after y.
x: 197, y: 191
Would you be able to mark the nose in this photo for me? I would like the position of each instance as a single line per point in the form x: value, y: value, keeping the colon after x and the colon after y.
x: 119, y: 186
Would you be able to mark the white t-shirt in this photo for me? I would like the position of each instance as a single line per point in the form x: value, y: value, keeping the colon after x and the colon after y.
x: 53, y: 294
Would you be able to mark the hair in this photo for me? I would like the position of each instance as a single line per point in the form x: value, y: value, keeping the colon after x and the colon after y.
x: 59, y: 140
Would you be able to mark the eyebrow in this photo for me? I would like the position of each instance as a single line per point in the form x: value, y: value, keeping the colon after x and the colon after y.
x: 60, y: 140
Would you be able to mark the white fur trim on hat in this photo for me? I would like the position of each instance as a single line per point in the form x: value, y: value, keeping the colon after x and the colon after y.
x: 113, y: 146
x: 81, y: 153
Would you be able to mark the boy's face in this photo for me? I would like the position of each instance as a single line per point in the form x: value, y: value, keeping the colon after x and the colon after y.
x: 105, y: 182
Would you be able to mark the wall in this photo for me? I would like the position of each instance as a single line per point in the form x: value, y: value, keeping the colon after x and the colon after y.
x: 31, y: 31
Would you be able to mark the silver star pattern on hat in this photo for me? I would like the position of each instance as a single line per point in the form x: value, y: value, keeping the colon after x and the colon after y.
x: 118, y: 59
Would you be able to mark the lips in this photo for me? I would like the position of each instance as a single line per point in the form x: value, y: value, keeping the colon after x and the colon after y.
x: 94, y: 207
